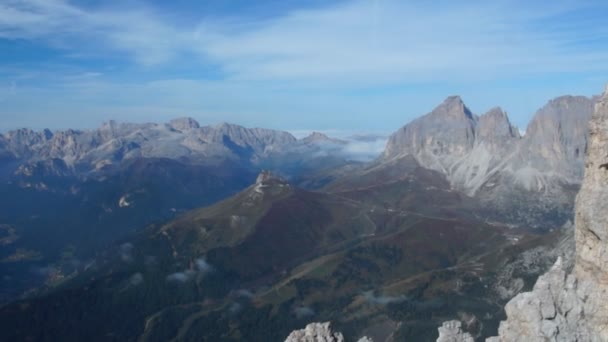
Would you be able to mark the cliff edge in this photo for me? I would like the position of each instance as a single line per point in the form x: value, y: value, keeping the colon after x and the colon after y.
x: 573, y: 307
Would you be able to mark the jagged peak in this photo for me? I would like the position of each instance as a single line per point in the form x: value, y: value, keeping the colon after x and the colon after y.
x: 453, y: 106
x: 494, y: 123
x: 110, y: 124
x: 453, y: 98
x: 317, y: 135
x: 496, y: 111
x: 184, y: 123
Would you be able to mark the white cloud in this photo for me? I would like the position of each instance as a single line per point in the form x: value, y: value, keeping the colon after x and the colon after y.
x: 201, y: 268
x: 302, y: 68
x: 181, y: 277
x: 136, y: 279
x: 303, y: 311
x: 358, y: 41
x: 371, y: 297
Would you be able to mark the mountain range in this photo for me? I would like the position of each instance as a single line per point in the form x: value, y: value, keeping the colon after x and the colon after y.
x: 456, y: 215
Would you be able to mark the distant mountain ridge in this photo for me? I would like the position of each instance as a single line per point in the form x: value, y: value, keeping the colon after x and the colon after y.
x: 114, y: 142
x: 486, y: 157
x: 104, y: 149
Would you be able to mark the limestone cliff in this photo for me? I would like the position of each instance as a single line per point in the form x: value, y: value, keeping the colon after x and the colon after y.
x: 573, y: 307
x: 529, y: 180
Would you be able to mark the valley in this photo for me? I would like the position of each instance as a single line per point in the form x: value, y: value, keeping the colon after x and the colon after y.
x: 169, y: 224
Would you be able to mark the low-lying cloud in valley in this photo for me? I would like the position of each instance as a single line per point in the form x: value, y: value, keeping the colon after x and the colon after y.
x: 373, y: 298
x: 201, y: 268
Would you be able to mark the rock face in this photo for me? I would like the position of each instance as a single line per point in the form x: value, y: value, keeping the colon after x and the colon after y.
x: 439, y: 139
x: 184, y: 124
x: 486, y: 157
x: 572, y: 307
x: 315, y: 332
x: 319, y: 332
x: 316, y: 137
x: 451, y: 331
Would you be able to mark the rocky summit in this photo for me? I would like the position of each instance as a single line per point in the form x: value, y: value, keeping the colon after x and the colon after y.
x: 571, y: 306
x: 531, y: 179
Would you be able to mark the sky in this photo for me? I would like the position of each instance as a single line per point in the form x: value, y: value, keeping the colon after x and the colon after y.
x: 334, y: 66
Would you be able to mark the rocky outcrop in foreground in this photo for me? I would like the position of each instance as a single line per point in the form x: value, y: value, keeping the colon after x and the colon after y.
x: 319, y: 332
x: 451, y: 331
x: 315, y: 332
x: 573, y: 307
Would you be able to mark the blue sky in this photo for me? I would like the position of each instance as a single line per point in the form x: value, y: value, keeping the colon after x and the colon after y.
x: 299, y: 65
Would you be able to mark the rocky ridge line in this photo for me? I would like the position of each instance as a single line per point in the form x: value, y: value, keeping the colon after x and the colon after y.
x: 572, y: 306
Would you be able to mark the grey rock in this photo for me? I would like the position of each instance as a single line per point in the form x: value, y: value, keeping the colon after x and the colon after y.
x: 531, y: 178
x: 365, y: 339
x: 438, y: 139
x: 113, y: 143
x: 572, y: 307
x: 494, y: 126
x: 451, y: 331
x: 319, y: 332
x: 316, y: 137
x: 184, y: 124
x: 315, y: 332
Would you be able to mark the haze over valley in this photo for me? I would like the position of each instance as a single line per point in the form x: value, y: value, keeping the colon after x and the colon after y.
x: 303, y: 171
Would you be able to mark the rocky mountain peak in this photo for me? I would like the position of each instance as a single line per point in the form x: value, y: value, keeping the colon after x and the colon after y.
x: 47, y: 133
x: 558, y: 136
x: 437, y: 139
x: 453, y: 107
x: 495, y: 124
x: 108, y: 125
x: 184, y: 124
x: 561, y: 109
x: 572, y: 307
x: 316, y: 136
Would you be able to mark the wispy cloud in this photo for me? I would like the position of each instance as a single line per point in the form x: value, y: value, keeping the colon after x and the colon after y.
x: 364, y: 40
x: 303, y: 312
x: 307, y: 60
x: 60, y: 24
